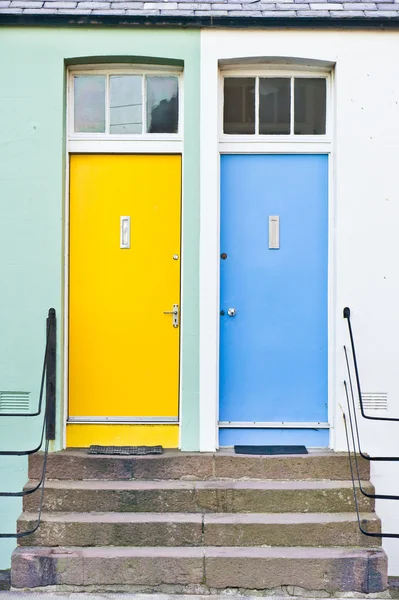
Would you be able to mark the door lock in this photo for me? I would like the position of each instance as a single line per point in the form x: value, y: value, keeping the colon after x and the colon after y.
x: 232, y: 312
x: 175, y: 314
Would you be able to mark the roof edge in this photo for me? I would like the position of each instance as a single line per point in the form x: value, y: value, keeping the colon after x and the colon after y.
x: 195, y: 22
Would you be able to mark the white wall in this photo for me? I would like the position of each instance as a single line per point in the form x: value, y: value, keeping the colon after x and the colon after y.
x: 364, y: 271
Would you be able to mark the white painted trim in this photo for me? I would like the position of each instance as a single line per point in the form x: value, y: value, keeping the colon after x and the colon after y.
x: 70, y: 104
x: 331, y: 301
x: 332, y: 261
x: 124, y: 70
x: 268, y: 70
x: 209, y: 253
x: 292, y: 105
x: 288, y: 67
x: 265, y: 73
x: 65, y: 300
x: 65, y: 373
x: 125, y: 147
x: 143, y: 105
x: 65, y: 316
x: 257, y: 102
x: 119, y: 144
x: 270, y: 147
x: 272, y: 425
x: 210, y: 151
x: 145, y: 137
x: 181, y: 306
x: 130, y: 420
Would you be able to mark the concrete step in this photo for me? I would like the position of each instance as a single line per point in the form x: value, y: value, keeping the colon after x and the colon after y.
x: 199, y: 496
x: 182, y: 529
x: 77, y: 464
x: 330, y: 570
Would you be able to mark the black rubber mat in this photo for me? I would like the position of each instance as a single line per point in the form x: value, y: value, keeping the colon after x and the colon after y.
x: 268, y: 450
x: 125, y: 450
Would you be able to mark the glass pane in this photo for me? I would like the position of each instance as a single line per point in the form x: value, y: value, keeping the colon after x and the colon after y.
x: 310, y: 106
x: 239, y: 105
x: 125, y: 101
x: 274, y: 106
x: 162, y: 104
x: 89, y: 103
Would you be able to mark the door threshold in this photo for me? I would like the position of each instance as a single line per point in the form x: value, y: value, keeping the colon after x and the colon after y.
x: 273, y: 425
x: 119, y: 420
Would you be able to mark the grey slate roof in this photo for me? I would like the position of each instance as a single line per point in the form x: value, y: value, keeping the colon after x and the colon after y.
x: 194, y: 10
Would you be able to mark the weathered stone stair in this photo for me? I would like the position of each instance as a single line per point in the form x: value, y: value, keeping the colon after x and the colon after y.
x: 197, y: 523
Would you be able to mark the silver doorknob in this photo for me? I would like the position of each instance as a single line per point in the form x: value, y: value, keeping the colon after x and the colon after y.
x: 232, y: 312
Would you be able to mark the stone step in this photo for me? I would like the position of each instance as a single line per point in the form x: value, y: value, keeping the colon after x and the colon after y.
x: 199, y: 496
x: 77, y: 464
x: 329, y: 570
x: 182, y: 529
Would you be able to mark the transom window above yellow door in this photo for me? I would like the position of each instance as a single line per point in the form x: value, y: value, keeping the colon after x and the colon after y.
x: 125, y: 103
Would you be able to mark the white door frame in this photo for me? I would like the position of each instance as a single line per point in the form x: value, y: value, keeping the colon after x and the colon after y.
x: 211, y: 148
x: 116, y: 144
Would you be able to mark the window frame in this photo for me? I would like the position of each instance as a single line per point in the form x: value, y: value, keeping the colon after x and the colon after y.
x: 142, y: 70
x: 270, y: 72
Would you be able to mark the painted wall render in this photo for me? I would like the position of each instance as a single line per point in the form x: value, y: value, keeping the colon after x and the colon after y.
x: 364, y: 217
x: 32, y: 188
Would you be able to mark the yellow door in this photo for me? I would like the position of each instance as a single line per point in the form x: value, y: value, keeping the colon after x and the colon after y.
x: 123, y: 348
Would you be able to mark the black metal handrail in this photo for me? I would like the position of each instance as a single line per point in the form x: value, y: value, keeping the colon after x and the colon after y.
x: 355, y: 435
x: 351, y: 422
x: 356, y: 425
x: 373, y: 534
x: 347, y: 316
x: 48, y: 428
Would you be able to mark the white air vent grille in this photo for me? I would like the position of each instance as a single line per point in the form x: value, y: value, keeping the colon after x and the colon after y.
x: 375, y: 401
x: 14, y: 402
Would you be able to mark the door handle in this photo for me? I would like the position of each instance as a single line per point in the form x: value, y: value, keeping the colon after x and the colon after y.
x: 175, y: 313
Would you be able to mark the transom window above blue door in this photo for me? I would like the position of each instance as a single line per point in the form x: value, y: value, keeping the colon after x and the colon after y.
x: 124, y: 104
x: 278, y: 106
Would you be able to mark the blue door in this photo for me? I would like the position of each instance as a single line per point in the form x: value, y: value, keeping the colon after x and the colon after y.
x: 273, y: 344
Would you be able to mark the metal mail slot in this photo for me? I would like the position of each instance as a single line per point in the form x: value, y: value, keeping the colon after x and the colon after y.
x: 274, y: 232
x: 125, y: 232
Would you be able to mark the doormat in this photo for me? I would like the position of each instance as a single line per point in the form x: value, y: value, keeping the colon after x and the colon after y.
x: 268, y: 450
x: 125, y: 450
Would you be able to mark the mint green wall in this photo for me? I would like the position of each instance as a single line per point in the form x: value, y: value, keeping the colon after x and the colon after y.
x: 32, y: 171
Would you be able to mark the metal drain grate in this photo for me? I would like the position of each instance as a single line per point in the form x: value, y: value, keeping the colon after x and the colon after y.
x: 125, y: 450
